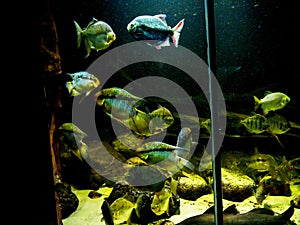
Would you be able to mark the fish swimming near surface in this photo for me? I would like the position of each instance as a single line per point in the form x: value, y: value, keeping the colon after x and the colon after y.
x: 271, y: 101
x: 155, y: 30
x: 256, y: 123
x: 97, y: 35
x: 258, y: 216
x: 82, y: 83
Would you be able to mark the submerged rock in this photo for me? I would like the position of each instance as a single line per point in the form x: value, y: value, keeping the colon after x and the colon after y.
x: 192, y: 187
x: 236, y: 187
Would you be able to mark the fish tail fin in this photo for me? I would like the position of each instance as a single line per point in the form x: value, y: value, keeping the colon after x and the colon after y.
x: 277, y: 138
x: 177, y: 29
x: 256, y: 103
x: 185, y: 163
x: 79, y: 33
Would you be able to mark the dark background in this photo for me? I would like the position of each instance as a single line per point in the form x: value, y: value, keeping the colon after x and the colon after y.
x: 260, y: 36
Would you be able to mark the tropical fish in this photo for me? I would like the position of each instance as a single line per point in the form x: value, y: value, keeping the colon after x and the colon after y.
x: 256, y: 123
x: 147, y: 124
x: 184, y: 140
x: 154, y: 152
x: 271, y: 101
x: 73, y: 137
x: 97, y: 35
x: 117, y: 103
x: 155, y: 30
x: 82, y: 82
x: 278, y: 124
x: 122, y: 106
x: 231, y: 216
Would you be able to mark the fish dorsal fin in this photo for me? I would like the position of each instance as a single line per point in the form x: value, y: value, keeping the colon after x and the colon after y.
x: 94, y: 20
x: 262, y: 211
x: 267, y: 93
x: 256, y: 152
x: 232, y: 210
x: 287, y: 214
x: 162, y: 17
x: 210, y: 210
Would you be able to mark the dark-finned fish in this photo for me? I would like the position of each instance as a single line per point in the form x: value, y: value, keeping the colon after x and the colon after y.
x: 271, y: 101
x: 107, y: 213
x: 258, y: 216
x: 155, y: 28
x: 82, y: 83
x: 97, y: 35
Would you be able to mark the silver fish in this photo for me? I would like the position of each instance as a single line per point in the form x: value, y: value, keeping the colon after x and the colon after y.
x: 97, y: 35
x: 82, y: 83
x: 155, y: 30
x: 271, y: 101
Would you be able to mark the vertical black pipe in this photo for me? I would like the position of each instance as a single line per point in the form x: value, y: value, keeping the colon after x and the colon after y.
x: 211, y: 61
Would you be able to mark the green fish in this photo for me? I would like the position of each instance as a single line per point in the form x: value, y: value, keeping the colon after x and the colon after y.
x: 122, y: 106
x: 271, y: 101
x: 117, y: 103
x: 155, y: 152
x: 256, y: 124
x: 147, y: 124
x: 97, y: 35
x: 278, y: 124
x: 72, y: 136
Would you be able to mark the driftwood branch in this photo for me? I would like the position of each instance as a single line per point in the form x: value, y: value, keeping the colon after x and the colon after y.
x: 51, y: 64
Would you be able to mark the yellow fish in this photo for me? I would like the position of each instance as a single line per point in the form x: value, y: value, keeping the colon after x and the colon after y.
x: 256, y: 124
x: 271, y: 102
x: 97, y: 35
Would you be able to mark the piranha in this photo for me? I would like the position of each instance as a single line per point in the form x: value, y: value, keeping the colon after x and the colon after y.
x: 155, y: 30
x: 231, y: 216
x: 271, y: 101
x: 97, y: 35
x: 82, y: 83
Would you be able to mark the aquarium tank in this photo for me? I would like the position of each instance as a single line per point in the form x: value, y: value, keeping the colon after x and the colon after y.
x: 167, y: 112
